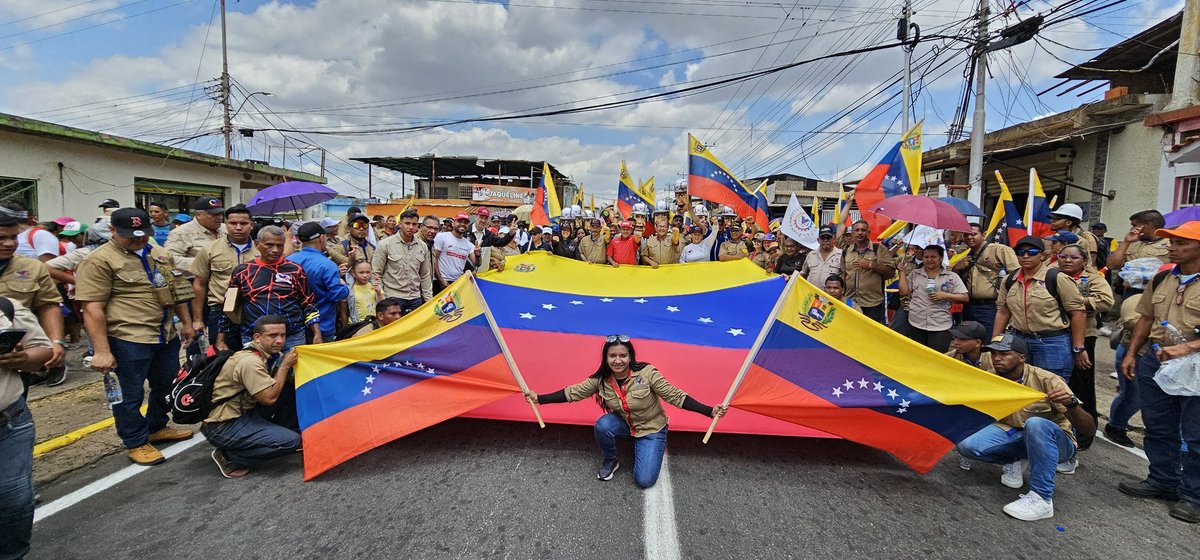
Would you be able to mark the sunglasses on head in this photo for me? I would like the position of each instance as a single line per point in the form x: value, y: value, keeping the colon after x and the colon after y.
x: 616, y: 337
x: 1028, y: 252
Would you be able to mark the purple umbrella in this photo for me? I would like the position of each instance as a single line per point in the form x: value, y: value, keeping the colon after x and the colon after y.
x: 1182, y: 216
x: 292, y: 196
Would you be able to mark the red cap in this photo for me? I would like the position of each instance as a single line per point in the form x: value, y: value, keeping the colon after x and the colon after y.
x: 483, y: 212
x: 626, y: 224
x: 462, y: 216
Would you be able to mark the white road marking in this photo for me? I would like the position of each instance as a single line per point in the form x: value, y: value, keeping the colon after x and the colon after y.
x: 658, y: 515
x: 108, y: 482
x: 1135, y: 450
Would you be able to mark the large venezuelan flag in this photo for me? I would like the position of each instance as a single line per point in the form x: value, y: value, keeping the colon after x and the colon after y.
x: 1037, y: 210
x: 899, y: 172
x: 628, y: 195
x: 710, y: 180
x: 695, y: 322
x: 436, y: 363
x: 815, y: 370
x: 1006, y: 213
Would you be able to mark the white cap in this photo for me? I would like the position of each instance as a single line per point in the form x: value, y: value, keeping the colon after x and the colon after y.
x: 503, y: 230
x: 1070, y: 211
x: 327, y: 223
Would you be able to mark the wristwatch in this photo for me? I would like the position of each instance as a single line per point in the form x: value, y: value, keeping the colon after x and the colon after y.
x: 1074, y: 402
x: 1078, y: 349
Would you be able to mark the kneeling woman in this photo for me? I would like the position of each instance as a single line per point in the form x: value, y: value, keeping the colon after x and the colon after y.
x: 629, y: 391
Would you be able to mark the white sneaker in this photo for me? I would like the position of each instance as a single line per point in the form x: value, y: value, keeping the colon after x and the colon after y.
x: 1030, y: 507
x: 1067, y: 467
x: 1113, y: 375
x: 964, y: 463
x: 1014, y: 474
x: 1104, y: 331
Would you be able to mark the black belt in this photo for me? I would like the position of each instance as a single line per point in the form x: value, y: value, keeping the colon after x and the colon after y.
x: 981, y: 302
x: 12, y: 412
x: 1043, y: 334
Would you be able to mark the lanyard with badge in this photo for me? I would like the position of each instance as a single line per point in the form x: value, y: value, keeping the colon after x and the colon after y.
x: 1183, y: 286
x: 157, y: 279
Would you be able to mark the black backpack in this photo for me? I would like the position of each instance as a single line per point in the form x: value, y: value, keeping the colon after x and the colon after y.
x: 191, y: 391
x: 350, y: 330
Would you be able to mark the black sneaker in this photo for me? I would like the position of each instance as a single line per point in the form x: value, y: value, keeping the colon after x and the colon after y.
x: 608, y: 469
x: 1144, y: 489
x: 57, y: 376
x: 1119, y: 437
x: 1184, y: 510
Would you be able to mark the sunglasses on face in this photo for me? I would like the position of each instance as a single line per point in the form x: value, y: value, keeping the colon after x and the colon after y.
x: 358, y: 225
x: 616, y: 337
x: 1028, y: 252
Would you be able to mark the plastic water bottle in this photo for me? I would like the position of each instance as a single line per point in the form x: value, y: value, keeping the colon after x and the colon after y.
x: 1083, y: 286
x: 112, y: 389
x: 1173, y: 333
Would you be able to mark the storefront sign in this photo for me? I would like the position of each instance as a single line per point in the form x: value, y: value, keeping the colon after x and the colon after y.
x: 500, y: 195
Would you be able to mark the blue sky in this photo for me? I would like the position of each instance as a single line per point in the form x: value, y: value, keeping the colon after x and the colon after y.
x: 365, y: 64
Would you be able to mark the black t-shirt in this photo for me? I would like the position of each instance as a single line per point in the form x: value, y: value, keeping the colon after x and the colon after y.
x: 788, y: 265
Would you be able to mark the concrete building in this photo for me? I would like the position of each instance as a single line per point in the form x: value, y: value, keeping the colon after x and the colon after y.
x: 63, y: 171
x: 1099, y: 155
x: 1178, y: 124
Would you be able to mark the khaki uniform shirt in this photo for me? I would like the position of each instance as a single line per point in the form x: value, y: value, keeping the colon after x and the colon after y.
x: 732, y: 248
x: 337, y: 253
x: 133, y: 307
x: 985, y: 359
x: 186, y: 240
x: 761, y: 259
x: 1097, y: 297
x: 866, y: 286
x: 244, y: 375
x: 593, y: 250
x: 11, y: 386
x: 1165, y: 305
x: 923, y: 312
x: 1089, y: 241
x: 1033, y: 308
x: 215, y: 261
x: 816, y: 269
x: 405, y: 270
x: 662, y: 251
x: 643, y: 389
x: 984, y: 279
x: 27, y: 281
x: 1141, y: 249
x: 71, y: 260
x: 1129, y: 317
x: 1039, y: 379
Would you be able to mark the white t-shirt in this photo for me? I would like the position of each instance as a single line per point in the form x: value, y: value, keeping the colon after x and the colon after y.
x: 44, y: 243
x: 452, y: 255
x: 699, y: 252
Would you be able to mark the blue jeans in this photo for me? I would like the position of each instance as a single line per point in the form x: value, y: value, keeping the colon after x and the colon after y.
x: 138, y: 363
x: 1042, y: 442
x: 647, y: 450
x: 1052, y: 353
x: 213, y: 321
x: 409, y: 305
x: 1127, y: 403
x: 251, y: 440
x: 16, y: 482
x: 1167, y: 418
x: 982, y: 312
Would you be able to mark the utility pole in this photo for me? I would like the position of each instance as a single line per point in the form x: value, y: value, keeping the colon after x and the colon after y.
x: 227, y: 128
x: 975, y: 193
x: 902, y: 31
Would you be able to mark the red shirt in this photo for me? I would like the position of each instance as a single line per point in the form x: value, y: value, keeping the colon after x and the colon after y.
x: 624, y: 250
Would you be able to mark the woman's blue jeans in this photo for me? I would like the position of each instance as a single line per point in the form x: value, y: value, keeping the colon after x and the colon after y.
x: 1127, y: 403
x: 647, y: 450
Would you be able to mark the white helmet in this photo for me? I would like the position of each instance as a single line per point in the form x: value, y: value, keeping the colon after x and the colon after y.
x: 640, y: 209
x: 1069, y: 210
x: 576, y: 210
x: 568, y: 213
x: 700, y: 209
x: 589, y: 214
x: 663, y: 206
x: 727, y: 211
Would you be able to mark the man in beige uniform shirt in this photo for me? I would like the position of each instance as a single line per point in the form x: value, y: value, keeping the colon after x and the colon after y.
x: 404, y: 266
x: 206, y: 226
x: 866, y: 267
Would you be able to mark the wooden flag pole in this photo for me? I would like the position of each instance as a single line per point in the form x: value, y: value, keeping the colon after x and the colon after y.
x: 762, y: 335
x: 512, y: 364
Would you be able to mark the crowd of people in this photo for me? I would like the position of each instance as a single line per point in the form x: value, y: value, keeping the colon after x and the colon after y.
x: 147, y: 289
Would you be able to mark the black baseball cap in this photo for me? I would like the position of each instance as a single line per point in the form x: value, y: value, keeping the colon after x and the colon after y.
x: 130, y: 222
x: 210, y: 204
x: 970, y: 329
x: 1006, y: 342
x: 357, y: 217
x: 1031, y: 240
x: 310, y: 231
x: 109, y: 203
x: 825, y: 231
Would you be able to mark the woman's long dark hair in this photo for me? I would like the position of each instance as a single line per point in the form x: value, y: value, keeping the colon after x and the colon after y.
x: 604, y: 371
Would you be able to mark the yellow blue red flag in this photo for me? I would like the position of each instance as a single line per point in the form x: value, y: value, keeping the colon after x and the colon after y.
x: 710, y: 180
x: 899, y: 172
x: 628, y: 194
x: 1037, y: 210
x: 433, y: 364
x: 546, y: 207
x: 813, y: 369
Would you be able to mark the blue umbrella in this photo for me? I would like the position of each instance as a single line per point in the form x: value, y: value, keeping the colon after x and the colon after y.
x: 966, y: 207
x: 1182, y: 216
x: 292, y: 196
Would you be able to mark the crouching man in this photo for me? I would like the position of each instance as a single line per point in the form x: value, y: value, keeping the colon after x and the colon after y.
x: 248, y: 385
x: 1041, y: 433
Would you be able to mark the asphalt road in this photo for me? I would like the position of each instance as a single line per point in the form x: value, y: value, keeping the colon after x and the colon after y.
x: 487, y: 489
